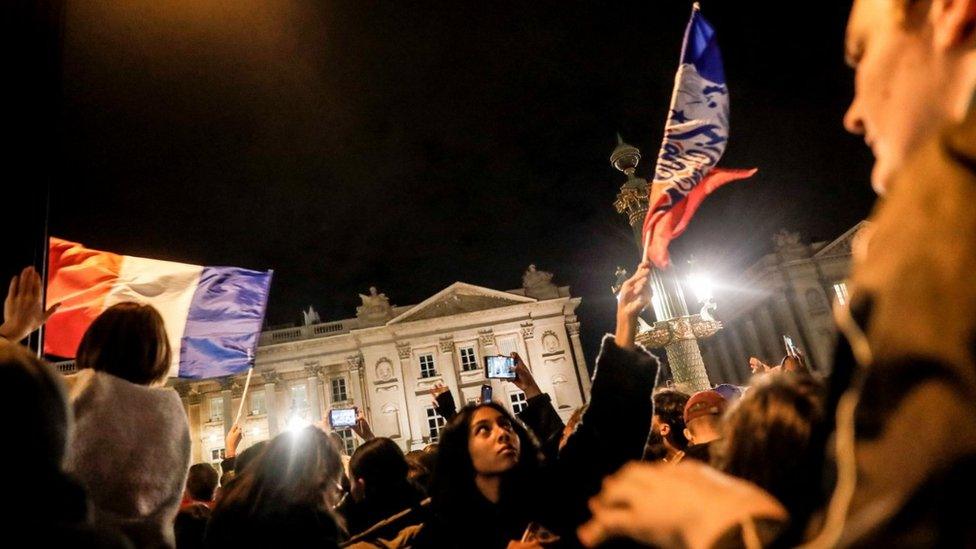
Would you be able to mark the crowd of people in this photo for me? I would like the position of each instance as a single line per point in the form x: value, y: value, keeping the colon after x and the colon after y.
x: 880, y: 452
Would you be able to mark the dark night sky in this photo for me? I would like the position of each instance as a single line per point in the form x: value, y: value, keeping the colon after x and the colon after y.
x: 410, y: 145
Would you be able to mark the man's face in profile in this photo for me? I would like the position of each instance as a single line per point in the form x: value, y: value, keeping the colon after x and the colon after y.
x: 900, y: 98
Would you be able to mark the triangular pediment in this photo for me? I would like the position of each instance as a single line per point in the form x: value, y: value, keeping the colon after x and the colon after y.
x: 460, y: 298
x: 842, y: 244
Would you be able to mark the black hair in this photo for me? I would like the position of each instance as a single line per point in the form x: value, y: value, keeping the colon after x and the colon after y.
x: 381, y: 465
x: 669, y: 407
x: 201, y: 482
x: 420, y: 465
x: 453, y: 486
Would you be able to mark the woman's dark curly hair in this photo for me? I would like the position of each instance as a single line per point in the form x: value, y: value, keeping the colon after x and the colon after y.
x: 453, y: 486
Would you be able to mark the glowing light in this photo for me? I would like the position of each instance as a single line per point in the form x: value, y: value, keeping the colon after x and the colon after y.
x: 702, y: 286
x: 296, y: 423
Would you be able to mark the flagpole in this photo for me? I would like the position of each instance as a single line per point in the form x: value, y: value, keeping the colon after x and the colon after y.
x: 247, y: 383
x: 45, y: 258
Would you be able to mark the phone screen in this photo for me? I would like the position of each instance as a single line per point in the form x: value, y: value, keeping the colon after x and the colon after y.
x: 485, y: 393
x: 342, y: 417
x: 499, y: 367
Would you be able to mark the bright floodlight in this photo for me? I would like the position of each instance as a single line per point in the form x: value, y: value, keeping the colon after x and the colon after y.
x: 702, y: 286
x: 296, y: 423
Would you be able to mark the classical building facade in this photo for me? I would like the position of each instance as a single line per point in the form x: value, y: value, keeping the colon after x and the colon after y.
x: 788, y: 292
x: 386, y: 359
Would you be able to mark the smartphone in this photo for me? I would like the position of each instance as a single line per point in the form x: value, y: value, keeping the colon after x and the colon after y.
x: 790, y: 347
x: 535, y: 532
x: 499, y: 367
x: 485, y: 393
x: 341, y: 418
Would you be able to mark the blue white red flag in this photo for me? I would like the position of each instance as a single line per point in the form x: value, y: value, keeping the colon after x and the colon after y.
x: 695, y: 136
x: 213, y: 315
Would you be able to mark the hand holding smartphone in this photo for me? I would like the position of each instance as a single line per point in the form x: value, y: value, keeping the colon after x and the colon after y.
x: 500, y: 367
x: 342, y: 418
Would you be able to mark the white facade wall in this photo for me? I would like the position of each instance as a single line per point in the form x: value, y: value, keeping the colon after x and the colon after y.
x: 380, y: 366
x: 789, y: 292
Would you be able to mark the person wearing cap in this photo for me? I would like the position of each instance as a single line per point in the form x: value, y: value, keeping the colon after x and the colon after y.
x: 703, y: 416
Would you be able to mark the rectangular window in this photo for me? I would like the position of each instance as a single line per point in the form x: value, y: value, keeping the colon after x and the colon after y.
x: 217, y: 409
x: 339, y: 389
x: 840, y: 290
x: 518, y: 401
x: 348, y: 440
x: 434, y: 424
x: 469, y: 361
x: 217, y: 455
x: 427, y: 366
x: 257, y: 403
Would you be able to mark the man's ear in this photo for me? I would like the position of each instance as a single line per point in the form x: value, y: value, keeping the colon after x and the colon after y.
x: 358, y: 487
x: 688, y: 436
x: 954, y: 22
x: 665, y: 430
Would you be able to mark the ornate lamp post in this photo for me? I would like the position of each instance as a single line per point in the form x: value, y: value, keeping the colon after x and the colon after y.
x: 675, y: 330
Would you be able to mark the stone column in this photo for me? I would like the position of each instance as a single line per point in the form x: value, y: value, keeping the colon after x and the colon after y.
x: 227, y: 399
x: 786, y: 320
x: 184, y: 390
x: 271, y: 378
x: 767, y: 328
x: 796, y: 316
x: 413, y: 438
x: 486, y: 340
x: 312, y: 386
x: 729, y: 369
x: 357, y: 384
x: 712, y: 366
x: 449, y: 357
x: 739, y: 353
x: 534, y: 360
x: 752, y: 336
x: 582, y: 375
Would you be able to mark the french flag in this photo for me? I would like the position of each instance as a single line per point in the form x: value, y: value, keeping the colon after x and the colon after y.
x: 213, y: 315
x: 695, y: 136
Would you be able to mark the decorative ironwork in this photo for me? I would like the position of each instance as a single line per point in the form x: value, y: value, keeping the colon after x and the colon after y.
x: 683, y: 328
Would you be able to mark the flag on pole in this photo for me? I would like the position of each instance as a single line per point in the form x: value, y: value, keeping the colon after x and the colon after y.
x: 695, y: 137
x: 213, y: 315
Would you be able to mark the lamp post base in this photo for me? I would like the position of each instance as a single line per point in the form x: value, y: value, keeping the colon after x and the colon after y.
x: 678, y: 337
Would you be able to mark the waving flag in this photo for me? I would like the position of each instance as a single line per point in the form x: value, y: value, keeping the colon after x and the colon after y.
x: 695, y: 136
x: 213, y: 315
